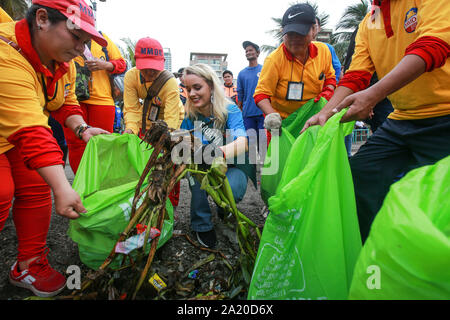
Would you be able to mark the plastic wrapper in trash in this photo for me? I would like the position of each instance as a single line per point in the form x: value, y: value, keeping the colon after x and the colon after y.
x: 136, y: 241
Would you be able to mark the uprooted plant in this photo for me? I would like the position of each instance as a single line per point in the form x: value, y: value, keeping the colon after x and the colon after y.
x: 148, y: 214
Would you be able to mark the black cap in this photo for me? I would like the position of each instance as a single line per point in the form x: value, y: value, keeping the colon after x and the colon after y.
x: 299, y: 18
x: 245, y: 44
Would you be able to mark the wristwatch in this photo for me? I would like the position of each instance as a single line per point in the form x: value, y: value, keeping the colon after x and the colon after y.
x: 80, y: 129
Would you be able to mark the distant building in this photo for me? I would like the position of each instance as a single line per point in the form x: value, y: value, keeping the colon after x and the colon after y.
x: 168, y: 62
x: 325, y: 35
x: 217, y: 61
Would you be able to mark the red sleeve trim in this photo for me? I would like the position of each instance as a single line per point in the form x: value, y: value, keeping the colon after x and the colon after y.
x: 65, y: 111
x: 37, y: 146
x: 432, y: 50
x: 356, y: 80
x: 330, y: 81
x: 260, y: 97
x: 119, y: 66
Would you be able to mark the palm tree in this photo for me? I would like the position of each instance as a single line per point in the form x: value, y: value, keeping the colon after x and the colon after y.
x: 15, y: 8
x: 128, y: 51
x: 350, y: 20
x: 276, y: 33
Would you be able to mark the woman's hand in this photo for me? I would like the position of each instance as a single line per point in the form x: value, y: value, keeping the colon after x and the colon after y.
x: 128, y: 131
x: 99, y: 64
x: 68, y: 203
x: 90, y: 132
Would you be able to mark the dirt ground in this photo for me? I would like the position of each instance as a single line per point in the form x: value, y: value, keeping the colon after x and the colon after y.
x: 173, y: 261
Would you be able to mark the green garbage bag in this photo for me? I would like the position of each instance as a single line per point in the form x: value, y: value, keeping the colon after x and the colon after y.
x: 274, y: 162
x: 407, y: 253
x: 296, y: 121
x: 106, y: 180
x: 279, y: 147
x: 311, y: 238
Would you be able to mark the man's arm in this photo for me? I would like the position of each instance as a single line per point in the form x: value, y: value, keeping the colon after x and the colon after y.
x: 361, y: 104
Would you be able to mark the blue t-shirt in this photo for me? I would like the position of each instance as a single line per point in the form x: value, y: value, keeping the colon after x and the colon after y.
x: 335, y: 61
x: 246, y: 85
x: 234, y: 127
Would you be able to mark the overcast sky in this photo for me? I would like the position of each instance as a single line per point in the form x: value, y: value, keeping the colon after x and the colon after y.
x: 187, y: 26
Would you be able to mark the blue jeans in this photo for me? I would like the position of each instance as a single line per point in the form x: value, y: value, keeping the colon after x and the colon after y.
x: 256, y: 123
x: 200, y: 210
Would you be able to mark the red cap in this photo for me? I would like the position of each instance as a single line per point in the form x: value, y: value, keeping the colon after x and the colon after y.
x: 79, y: 13
x: 149, y: 54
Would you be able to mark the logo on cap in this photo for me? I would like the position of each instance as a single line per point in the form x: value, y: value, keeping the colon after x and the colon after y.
x: 152, y: 51
x: 86, y: 10
x: 294, y: 15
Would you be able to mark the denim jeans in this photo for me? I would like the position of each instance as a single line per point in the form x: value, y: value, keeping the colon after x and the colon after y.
x: 200, y: 210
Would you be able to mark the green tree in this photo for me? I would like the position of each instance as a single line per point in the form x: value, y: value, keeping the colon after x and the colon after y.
x: 350, y: 20
x: 348, y: 23
x: 15, y: 8
x: 128, y: 51
x: 277, y: 32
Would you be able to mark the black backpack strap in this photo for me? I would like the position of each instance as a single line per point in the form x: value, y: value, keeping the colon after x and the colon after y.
x: 152, y: 92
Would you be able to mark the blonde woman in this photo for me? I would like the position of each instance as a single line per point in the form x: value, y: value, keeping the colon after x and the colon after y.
x: 217, y: 122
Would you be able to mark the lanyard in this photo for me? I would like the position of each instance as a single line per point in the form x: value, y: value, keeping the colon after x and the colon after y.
x: 292, y: 69
x: 44, y: 89
x: 295, y: 89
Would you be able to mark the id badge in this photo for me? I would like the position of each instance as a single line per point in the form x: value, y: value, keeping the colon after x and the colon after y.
x: 154, y: 112
x: 294, y: 91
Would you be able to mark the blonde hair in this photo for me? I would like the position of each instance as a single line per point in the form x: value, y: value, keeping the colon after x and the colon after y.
x: 218, y: 99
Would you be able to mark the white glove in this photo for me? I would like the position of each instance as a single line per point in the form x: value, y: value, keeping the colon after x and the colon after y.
x: 272, y: 121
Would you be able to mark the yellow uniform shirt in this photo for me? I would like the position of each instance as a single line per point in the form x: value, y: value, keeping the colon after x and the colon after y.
x: 4, y: 17
x: 280, y: 68
x: 22, y: 98
x: 100, y: 89
x: 171, y: 108
x: 427, y: 96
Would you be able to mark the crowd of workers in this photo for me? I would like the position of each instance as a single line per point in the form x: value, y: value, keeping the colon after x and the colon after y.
x: 42, y: 55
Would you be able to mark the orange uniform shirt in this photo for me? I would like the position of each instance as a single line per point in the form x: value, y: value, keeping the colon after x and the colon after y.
x: 22, y: 100
x: 168, y: 99
x: 280, y: 67
x: 4, y: 17
x: 383, y: 39
x: 100, y: 90
x: 231, y: 92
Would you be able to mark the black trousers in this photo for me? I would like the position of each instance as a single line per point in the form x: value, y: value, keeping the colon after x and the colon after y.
x: 380, y: 114
x: 397, y: 147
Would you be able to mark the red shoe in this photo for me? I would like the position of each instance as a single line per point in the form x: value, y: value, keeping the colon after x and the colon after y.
x: 40, y: 278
